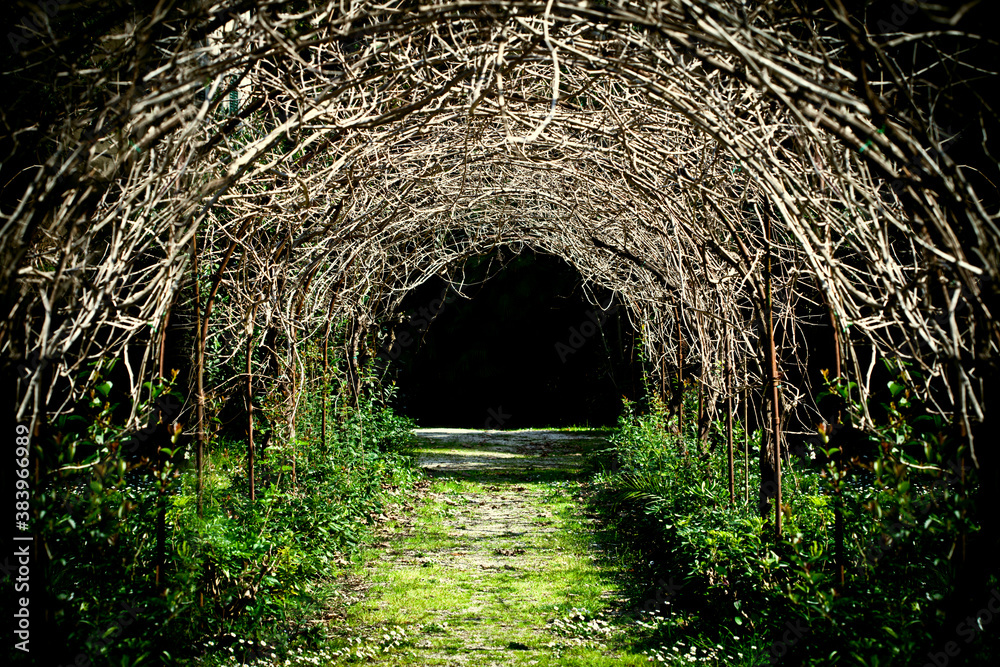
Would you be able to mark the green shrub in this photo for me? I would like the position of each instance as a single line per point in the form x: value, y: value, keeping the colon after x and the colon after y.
x: 241, y: 568
x: 904, y: 515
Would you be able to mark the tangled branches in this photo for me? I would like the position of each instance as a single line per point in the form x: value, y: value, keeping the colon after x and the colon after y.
x: 313, y: 162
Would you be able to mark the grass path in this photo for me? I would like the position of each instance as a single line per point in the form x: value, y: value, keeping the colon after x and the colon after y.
x: 496, y: 565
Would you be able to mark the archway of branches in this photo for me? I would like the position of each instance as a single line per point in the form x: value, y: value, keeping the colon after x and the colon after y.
x: 715, y: 164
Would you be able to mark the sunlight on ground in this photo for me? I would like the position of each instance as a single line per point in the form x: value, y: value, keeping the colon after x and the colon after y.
x: 499, y: 566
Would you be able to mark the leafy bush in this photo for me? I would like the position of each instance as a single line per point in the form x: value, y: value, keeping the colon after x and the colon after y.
x: 739, y: 597
x: 240, y: 568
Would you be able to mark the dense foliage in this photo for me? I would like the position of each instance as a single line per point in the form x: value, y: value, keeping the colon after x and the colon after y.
x: 241, y: 569
x: 716, y: 582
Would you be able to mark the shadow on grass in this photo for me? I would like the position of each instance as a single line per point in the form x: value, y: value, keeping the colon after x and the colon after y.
x: 510, y: 457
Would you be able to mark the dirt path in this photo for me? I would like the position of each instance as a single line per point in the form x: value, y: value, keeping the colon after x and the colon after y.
x: 495, y: 565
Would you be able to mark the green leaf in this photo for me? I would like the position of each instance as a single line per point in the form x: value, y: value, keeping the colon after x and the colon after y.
x: 896, y: 388
x: 104, y: 387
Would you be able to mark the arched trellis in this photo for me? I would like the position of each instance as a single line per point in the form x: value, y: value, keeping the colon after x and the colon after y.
x: 710, y: 162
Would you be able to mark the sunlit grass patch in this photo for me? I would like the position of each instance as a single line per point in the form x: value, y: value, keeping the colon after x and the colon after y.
x: 496, y: 558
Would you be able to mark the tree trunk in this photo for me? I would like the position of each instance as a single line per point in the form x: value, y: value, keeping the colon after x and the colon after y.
x: 199, y: 372
x: 838, y: 508
x: 729, y: 423
x: 160, y: 558
x: 251, y: 464
x: 746, y: 435
x: 323, y: 382
x: 700, y: 426
x: 202, y: 324
x: 680, y: 383
x: 771, y: 455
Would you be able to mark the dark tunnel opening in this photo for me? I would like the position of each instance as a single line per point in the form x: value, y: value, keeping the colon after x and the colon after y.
x: 526, y: 349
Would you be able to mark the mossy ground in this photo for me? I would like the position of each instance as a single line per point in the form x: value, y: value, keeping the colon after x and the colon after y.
x: 496, y: 564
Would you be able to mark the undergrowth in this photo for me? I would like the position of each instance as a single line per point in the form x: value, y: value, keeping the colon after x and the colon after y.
x: 711, y: 584
x: 136, y: 576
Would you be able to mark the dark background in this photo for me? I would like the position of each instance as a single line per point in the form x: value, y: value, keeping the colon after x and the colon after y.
x: 492, y: 361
